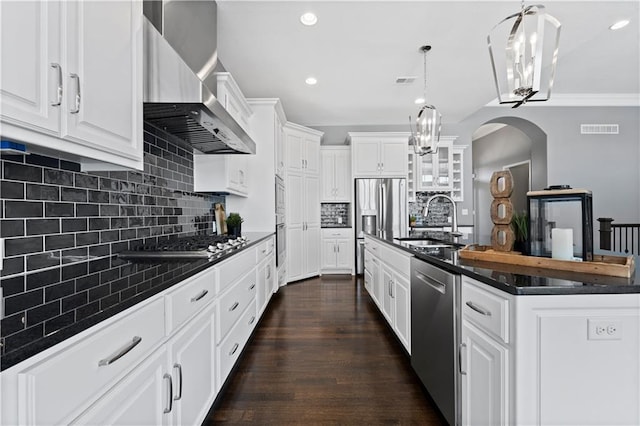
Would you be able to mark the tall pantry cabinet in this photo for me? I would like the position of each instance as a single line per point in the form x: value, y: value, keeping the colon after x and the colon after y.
x: 302, y: 160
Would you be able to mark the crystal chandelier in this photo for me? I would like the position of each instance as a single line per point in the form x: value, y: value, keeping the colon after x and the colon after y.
x: 428, y: 121
x: 524, y: 68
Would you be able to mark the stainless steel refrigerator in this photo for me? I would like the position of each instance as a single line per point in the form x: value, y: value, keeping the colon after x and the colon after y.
x: 381, y: 209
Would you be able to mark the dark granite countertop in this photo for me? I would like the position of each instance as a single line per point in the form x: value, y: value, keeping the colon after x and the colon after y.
x: 150, y: 277
x: 513, y: 279
x: 335, y: 225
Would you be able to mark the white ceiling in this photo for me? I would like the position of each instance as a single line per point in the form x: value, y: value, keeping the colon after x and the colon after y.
x: 359, y: 48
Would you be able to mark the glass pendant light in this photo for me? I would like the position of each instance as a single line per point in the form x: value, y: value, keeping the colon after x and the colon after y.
x: 428, y: 121
x: 524, y: 66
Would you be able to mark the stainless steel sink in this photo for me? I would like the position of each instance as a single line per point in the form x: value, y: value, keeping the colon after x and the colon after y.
x: 429, y: 244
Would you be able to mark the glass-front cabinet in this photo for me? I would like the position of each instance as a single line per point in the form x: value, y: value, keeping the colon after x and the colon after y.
x: 441, y: 171
x: 434, y: 171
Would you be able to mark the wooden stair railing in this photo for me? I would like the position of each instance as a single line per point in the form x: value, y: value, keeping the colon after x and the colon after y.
x: 621, y: 237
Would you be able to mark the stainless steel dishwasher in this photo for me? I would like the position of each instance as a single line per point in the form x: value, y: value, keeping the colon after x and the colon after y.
x: 435, y: 301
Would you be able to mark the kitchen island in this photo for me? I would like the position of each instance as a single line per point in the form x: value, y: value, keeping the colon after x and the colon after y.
x: 532, y: 346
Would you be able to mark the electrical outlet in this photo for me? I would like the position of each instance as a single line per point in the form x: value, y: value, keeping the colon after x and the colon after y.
x: 604, y: 329
x: 465, y: 212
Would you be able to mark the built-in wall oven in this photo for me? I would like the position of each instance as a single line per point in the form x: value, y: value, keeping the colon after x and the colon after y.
x: 281, y: 237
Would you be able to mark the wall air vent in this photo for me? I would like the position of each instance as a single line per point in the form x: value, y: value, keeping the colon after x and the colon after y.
x: 599, y: 129
x: 405, y: 80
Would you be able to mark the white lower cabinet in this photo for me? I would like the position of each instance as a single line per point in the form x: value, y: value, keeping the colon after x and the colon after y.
x: 484, y: 374
x: 389, y: 270
x: 337, y: 251
x: 539, y: 360
x: 140, y: 399
x: 161, y: 362
x: 192, y: 369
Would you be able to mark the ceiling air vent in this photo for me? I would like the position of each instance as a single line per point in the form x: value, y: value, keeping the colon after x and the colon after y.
x: 599, y: 129
x: 405, y: 80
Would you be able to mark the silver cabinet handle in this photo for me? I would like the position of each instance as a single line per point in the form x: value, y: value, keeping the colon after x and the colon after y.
x: 253, y: 318
x: 178, y: 367
x: 302, y: 163
x: 252, y: 286
x: 120, y: 352
x: 462, y: 349
x: 77, y: 97
x: 169, y: 405
x: 479, y: 309
x: 58, y: 100
x: 199, y: 296
x: 234, y: 349
x: 234, y: 306
x: 241, y: 174
x: 268, y: 272
x: 381, y: 166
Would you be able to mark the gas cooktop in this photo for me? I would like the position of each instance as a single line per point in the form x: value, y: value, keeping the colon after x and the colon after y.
x: 197, y: 246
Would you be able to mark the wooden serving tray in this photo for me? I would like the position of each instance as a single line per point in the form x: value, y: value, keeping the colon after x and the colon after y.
x: 615, y: 266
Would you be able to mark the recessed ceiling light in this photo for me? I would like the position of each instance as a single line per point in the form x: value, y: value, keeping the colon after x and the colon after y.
x: 309, y: 18
x: 311, y: 81
x: 419, y: 101
x: 619, y: 24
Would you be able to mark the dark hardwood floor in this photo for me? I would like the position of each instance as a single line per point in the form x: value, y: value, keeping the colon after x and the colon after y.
x: 323, y: 354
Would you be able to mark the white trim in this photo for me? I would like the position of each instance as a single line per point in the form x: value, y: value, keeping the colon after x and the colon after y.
x: 583, y: 100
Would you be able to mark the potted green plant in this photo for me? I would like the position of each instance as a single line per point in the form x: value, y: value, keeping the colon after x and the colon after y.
x: 412, y: 221
x: 234, y: 225
x: 520, y: 227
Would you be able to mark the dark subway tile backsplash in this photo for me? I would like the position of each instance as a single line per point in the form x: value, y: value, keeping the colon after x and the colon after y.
x: 64, y: 228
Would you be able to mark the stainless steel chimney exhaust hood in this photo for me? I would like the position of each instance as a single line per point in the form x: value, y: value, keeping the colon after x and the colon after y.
x: 180, y: 88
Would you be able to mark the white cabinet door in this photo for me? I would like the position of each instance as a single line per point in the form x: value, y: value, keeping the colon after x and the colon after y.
x: 402, y: 308
x: 312, y: 154
x: 311, y: 198
x: 295, y: 253
x: 30, y: 70
x: 344, y: 249
x: 279, y: 142
x: 295, y: 206
x: 328, y: 253
x: 328, y: 188
x: 387, y: 296
x: 366, y: 160
x: 485, y: 390
x: 312, y: 251
x: 342, y: 176
x: 141, y: 398
x: 295, y: 150
x: 192, y: 364
x: 103, y: 76
x: 376, y: 280
x: 393, y: 158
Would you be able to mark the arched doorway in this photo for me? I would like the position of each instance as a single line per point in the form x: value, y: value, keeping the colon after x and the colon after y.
x: 498, y: 144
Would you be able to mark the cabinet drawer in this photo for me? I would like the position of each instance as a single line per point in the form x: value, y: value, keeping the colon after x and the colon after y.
x: 332, y: 233
x: 265, y: 250
x: 399, y: 261
x: 485, y: 309
x: 229, y: 350
x: 56, y: 389
x: 233, y: 303
x: 232, y: 269
x: 192, y: 295
x: 372, y: 246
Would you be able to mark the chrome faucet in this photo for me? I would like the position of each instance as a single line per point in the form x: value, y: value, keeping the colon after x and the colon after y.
x: 454, y: 212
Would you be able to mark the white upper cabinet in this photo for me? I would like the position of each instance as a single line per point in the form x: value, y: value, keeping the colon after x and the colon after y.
x: 221, y: 173
x: 72, y: 79
x: 336, y: 174
x: 302, y: 149
x: 231, y: 97
x: 379, y: 154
